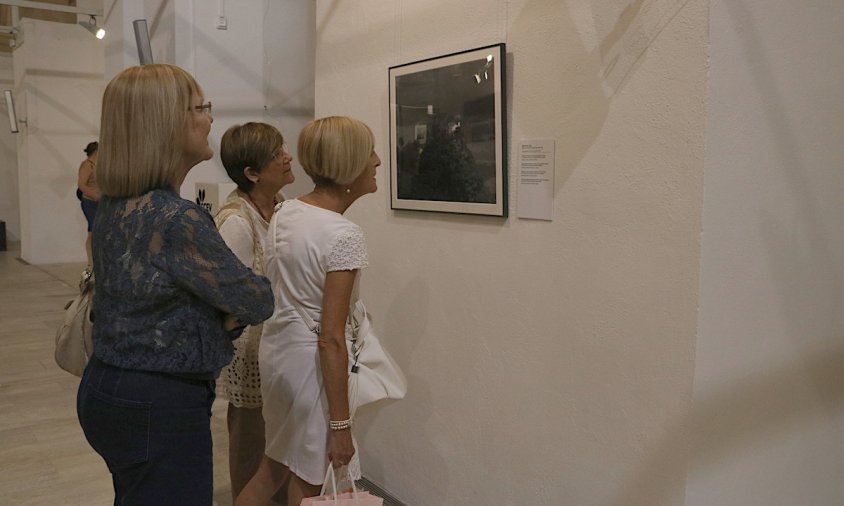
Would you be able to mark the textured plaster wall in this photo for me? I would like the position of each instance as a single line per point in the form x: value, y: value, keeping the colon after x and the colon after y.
x: 769, y: 379
x: 548, y: 363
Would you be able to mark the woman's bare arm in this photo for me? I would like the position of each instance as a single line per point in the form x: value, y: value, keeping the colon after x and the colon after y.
x: 334, y: 361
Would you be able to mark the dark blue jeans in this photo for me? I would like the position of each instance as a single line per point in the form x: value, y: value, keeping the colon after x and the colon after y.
x: 153, y: 431
x: 89, y: 209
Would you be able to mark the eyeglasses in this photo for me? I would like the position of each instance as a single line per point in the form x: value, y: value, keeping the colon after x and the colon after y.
x: 206, y: 107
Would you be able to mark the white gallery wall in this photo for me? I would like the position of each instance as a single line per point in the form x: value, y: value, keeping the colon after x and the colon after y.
x: 769, y: 375
x: 260, y: 68
x: 58, y: 70
x: 228, y: 66
x: 9, y: 211
x: 289, y: 50
x: 548, y: 362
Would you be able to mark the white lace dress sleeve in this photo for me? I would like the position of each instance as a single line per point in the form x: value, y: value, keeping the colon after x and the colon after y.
x: 348, y: 252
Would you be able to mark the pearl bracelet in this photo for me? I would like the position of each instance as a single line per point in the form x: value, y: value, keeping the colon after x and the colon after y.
x: 340, y: 424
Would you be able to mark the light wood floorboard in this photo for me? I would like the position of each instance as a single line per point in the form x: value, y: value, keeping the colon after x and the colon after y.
x: 44, y: 458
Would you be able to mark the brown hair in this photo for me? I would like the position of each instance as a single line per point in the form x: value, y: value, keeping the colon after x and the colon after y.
x: 252, y: 145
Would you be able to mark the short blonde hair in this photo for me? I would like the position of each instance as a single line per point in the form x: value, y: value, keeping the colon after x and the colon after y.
x: 335, y: 150
x: 145, y: 115
x: 251, y: 145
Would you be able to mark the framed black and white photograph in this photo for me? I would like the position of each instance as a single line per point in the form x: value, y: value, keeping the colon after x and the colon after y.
x: 447, y: 140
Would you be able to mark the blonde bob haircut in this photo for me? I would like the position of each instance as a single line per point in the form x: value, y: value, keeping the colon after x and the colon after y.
x: 143, y: 127
x: 335, y: 150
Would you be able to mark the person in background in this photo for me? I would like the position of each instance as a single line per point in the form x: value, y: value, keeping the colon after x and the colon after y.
x: 170, y: 298
x: 88, y: 192
x: 314, y: 255
x: 256, y: 159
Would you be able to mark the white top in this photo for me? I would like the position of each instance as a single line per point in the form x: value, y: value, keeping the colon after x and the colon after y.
x: 237, y: 233
x: 305, y: 242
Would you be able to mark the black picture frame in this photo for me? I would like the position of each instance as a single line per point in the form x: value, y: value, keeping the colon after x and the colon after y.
x: 448, y: 150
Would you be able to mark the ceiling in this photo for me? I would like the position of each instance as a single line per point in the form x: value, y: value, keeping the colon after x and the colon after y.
x: 25, y: 12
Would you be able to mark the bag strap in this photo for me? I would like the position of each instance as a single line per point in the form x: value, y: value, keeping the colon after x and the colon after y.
x: 86, y: 281
x: 311, y: 324
x: 306, y: 318
x: 330, y: 472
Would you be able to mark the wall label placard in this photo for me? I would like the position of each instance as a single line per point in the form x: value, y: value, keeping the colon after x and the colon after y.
x: 536, y: 179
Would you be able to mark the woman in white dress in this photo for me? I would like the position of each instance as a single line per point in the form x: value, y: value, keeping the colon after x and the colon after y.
x: 256, y: 159
x: 313, y: 256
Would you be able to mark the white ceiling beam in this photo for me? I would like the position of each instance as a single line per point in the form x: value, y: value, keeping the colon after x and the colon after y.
x: 52, y: 7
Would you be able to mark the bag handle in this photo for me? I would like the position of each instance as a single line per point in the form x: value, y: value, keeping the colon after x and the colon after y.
x: 330, y: 472
x: 86, y: 282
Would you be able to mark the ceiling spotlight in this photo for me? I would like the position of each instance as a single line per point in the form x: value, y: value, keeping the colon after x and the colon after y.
x: 91, y: 26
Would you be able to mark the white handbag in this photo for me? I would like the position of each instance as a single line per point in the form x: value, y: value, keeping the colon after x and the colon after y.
x: 73, y: 338
x: 373, y: 374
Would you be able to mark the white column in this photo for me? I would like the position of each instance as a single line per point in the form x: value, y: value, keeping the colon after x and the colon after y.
x: 58, y: 89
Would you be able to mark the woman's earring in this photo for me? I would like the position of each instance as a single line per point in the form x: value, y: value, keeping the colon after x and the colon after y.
x: 348, y: 189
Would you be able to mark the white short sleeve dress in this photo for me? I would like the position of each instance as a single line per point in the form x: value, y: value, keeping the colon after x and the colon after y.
x: 304, y: 243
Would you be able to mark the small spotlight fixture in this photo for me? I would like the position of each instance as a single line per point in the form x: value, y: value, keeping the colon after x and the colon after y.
x: 483, y: 75
x: 91, y: 26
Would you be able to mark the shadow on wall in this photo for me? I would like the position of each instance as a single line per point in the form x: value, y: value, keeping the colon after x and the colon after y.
x: 64, y: 164
x: 811, y: 388
x: 741, y: 415
x: 417, y: 406
x: 802, y: 240
x: 599, y: 61
x: 627, y: 41
x: 84, y: 123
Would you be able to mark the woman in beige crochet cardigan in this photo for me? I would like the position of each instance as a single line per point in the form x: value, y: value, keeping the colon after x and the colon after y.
x: 256, y: 159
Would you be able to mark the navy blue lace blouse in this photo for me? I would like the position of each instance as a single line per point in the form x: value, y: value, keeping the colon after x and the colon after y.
x: 164, y: 281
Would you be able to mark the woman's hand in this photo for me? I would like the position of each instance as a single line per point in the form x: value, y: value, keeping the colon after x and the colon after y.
x: 340, y: 447
x: 230, y: 322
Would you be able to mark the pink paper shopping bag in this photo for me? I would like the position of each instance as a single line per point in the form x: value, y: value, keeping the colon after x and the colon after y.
x: 353, y: 498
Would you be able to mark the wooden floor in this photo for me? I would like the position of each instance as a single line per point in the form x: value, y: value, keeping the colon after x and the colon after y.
x: 44, y: 458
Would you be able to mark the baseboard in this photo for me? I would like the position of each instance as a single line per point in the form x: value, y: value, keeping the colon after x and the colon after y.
x: 374, y: 489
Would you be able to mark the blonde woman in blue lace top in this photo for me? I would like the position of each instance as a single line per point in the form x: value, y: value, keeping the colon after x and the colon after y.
x: 170, y: 296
